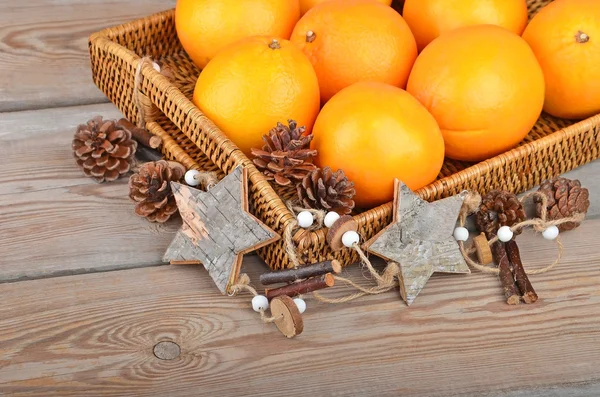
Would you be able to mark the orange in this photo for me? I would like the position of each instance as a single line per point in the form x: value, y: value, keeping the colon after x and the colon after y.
x: 484, y: 87
x: 430, y: 18
x: 565, y: 37
x: 377, y: 132
x: 204, y: 27
x: 349, y: 41
x: 254, y: 83
x: 306, y: 5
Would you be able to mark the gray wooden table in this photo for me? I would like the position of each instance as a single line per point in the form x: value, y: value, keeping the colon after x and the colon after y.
x: 85, y: 298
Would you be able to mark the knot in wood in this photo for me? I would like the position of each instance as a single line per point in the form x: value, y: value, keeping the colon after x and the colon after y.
x: 167, y: 350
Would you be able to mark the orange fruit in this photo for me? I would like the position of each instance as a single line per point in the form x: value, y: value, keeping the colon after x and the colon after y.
x: 204, y: 27
x: 306, y: 5
x: 565, y: 36
x: 254, y: 83
x: 484, y: 87
x: 430, y: 18
x: 349, y: 41
x: 377, y: 132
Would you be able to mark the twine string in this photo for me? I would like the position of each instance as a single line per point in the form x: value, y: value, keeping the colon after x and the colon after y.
x: 385, y: 282
x: 137, y: 80
x: 243, y: 284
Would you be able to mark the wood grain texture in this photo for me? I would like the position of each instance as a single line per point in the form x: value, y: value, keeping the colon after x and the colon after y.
x: 53, y: 219
x: 94, y: 335
x: 44, y: 60
x: 420, y: 239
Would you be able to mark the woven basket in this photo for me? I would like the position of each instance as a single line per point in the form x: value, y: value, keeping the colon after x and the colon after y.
x: 554, y: 146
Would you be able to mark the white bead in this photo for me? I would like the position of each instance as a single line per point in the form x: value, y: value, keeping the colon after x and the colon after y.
x: 330, y: 218
x: 190, y: 177
x: 156, y: 66
x: 305, y: 219
x: 461, y: 234
x: 551, y: 233
x: 260, y: 302
x: 505, y: 234
x: 301, y: 304
x: 349, y: 238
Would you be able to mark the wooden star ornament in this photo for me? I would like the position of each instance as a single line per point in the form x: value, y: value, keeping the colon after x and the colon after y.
x: 420, y: 239
x: 217, y: 228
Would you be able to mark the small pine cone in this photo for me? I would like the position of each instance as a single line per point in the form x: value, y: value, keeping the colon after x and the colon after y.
x: 566, y: 198
x: 499, y: 208
x: 326, y: 190
x: 286, y: 156
x: 103, y: 149
x: 150, y: 188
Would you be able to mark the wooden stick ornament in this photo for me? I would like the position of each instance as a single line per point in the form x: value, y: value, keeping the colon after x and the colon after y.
x: 494, y: 218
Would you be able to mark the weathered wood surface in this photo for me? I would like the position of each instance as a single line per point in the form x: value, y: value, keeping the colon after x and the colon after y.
x: 217, y: 228
x: 53, y: 219
x: 94, y: 335
x: 44, y: 60
x: 420, y: 239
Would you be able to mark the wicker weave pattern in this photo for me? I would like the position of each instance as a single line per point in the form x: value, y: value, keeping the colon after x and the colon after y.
x: 553, y: 147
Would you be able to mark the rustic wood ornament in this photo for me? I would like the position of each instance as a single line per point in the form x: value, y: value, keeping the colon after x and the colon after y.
x: 420, y: 239
x: 217, y: 228
x: 287, y: 316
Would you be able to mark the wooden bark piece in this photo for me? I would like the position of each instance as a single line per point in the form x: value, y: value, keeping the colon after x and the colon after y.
x: 506, y: 275
x: 528, y: 293
x: 312, y: 284
x: 420, y: 239
x: 291, y: 275
x: 344, y: 224
x: 141, y: 135
x: 484, y: 252
x: 217, y: 228
x: 287, y: 316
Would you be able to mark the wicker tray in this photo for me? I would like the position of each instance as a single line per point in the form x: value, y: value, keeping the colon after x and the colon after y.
x: 554, y: 146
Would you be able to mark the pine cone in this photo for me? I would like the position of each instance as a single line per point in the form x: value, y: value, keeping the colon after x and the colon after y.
x: 285, y: 157
x: 327, y: 190
x: 150, y: 188
x: 499, y: 208
x: 104, y: 150
x: 566, y: 197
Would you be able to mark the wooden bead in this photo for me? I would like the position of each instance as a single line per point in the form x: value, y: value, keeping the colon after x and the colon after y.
x: 345, y: 224
x: 505, y: 234
x: 301, y: 304
x: 305, y: 219
x: 330, y: 218
x: 551, y: 233
x: 350, y: 238
x: 260, y: 302
x: 484, y: 252
x: 287, y: 316
x: 461, y: 234
x: 190, y: 177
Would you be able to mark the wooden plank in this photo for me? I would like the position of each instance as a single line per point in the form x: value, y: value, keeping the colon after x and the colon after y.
x: 97, y: 333
x: 44, y: 51
x: 53, y: 219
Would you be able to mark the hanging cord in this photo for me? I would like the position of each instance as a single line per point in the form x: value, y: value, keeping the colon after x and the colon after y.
x: 243, y: 284
x: 470, y: 206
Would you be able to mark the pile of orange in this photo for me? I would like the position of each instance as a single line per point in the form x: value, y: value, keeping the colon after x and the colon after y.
x: 386, y: 94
